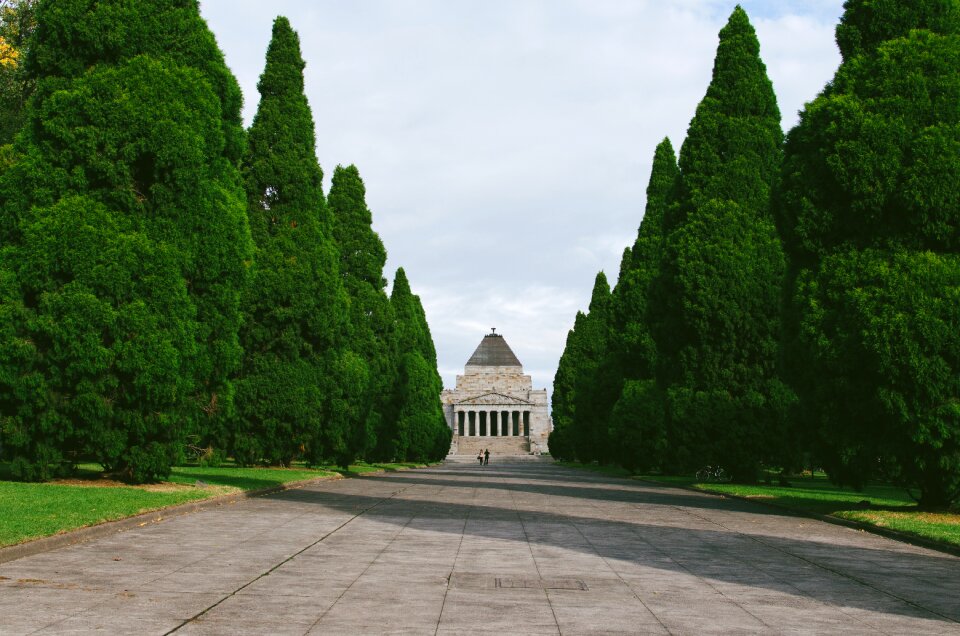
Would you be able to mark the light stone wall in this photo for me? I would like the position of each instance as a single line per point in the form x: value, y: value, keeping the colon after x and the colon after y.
x: 472, y: 394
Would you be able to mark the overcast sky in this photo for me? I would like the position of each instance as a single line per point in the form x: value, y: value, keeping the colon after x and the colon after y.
x: 506, y: 144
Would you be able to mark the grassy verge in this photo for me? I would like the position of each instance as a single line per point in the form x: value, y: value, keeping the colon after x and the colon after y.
x: 890, y: 507
x: 30, y: 511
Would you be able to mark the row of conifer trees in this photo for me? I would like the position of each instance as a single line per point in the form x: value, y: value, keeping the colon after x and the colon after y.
x: 792, y: 302
x: 171, y: 282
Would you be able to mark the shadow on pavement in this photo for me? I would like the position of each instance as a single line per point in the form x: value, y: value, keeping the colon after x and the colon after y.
x: 842, y: 575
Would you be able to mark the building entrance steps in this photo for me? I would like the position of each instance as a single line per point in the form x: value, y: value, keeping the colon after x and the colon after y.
x: 497, y: 445
x: 499, y: 459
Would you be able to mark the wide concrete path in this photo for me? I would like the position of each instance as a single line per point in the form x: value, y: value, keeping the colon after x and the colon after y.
x: 506, y: 549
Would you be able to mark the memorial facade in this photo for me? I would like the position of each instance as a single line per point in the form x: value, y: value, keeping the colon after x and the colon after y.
x: 494, y: 405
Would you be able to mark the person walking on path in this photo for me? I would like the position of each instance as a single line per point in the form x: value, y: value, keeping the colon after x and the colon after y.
x: 480, y: 457
x: 486, y: 457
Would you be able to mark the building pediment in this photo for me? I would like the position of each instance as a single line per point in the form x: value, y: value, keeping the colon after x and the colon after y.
x: 493, y: 399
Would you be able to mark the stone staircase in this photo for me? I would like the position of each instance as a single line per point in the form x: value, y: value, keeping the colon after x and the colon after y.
x: 496, y: 460
x: 470, y: 446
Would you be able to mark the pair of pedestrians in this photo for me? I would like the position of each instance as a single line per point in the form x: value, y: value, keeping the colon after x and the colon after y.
x: 484, y: 457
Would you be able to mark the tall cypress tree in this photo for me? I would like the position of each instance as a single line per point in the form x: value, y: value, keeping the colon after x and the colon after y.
x: 633, y: 287
x: 870, y: 211
x: 362, y: 257
x: 287, y: 392
x: 124, y: 242
x: 576, y: 390
x: 589, y: 432
x: 563, y: 400
x: 714, y: 306
x: 636, y: 421
x: 419, y: 430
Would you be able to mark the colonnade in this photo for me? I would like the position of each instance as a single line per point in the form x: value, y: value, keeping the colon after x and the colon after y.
x: 492, y: 423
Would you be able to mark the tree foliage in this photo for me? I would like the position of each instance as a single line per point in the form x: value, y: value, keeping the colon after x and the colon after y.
x: 17, y: 23
x: 124, y: 242
x: 870, y: 212
x: 419, y: 430
x: 714, y: 312
x: 362, y: 257
x: 291, y: 398
x: 637, y: 424
x: 578, y: 433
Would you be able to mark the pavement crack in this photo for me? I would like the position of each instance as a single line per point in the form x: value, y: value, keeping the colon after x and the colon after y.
x: 826, y: 568
x: 369, y: 565
x: 607, y: 563
x: 282, y: 563
x: 526, y: 536
x: 453, y: 568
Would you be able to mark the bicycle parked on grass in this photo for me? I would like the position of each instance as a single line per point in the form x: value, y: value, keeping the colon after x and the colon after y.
x: 713, y: 474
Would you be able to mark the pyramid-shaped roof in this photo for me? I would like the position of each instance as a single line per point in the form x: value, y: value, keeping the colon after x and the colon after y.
x: 493, y: 352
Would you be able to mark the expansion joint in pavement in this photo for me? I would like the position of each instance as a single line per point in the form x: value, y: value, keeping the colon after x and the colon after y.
x: 619, y: 576
x: 281, y: 563
x: 834, y: 571
x: 533, y: 556
x: 369, y: 565
x: 463, y: 532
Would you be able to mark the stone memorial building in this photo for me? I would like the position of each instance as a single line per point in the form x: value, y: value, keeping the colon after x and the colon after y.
x: 495, y: 406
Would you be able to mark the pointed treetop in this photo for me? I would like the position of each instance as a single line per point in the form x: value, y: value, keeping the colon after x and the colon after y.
x: 663, y: 181
x: 362, y: 254
x: 626, y: 262
x: 868, y: 23
x: 733, y: 146
x: 601, y: 292
x: 740, y: 80
x: 283, y: 74
x: 347, y: 180
x: 284, y: 180
x: 401, y: 286
x: 413, y: 332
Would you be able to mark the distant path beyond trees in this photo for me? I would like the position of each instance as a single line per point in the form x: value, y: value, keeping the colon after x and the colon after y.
x: 512, y: 548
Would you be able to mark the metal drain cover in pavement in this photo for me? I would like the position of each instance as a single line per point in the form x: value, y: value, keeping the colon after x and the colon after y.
x: 542, y: 584
x: 473, y: 581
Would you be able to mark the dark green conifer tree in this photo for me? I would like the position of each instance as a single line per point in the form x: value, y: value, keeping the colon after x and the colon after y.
x: 637, y: 423
x: 124, y: 243
x: 575, y: 383
x: 589, y: 431
x: 563, y: 400
x: 870, y: 211
x: 289, y: 392
x: 714, y: 307
x: 362, y: 257
x: 420, y: 431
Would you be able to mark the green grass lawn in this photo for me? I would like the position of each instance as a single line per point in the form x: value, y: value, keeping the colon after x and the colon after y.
x: 815, y: 495
x: 890, y: 506
x: 244, y: 478
x: 30, y: 511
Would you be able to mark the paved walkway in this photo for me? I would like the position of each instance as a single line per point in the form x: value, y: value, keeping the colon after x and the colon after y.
x: 506, y: 549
